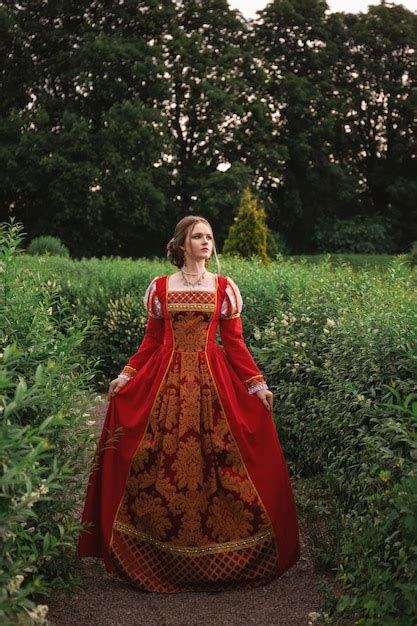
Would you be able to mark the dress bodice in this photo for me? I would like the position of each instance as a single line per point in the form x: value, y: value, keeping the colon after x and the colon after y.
x: 191, y: 313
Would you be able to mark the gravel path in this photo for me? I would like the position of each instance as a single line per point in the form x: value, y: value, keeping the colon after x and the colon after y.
x: 287, y: 601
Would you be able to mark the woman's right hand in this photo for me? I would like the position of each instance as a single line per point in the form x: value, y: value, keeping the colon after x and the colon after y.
x: 115, y: 386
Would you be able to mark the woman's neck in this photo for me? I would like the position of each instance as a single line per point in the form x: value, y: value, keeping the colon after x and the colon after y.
x: 193, y: 267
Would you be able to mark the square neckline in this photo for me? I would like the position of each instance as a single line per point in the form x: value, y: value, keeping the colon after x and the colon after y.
x: 168, y: 291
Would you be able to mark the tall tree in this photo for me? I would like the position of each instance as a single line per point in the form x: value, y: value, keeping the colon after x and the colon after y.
x: 295, y: 47
x: 378, y: 88
x: 204, y: 55
x: 89, y: 150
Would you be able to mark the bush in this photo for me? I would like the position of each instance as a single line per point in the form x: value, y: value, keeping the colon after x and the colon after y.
x: 248, y: 236
x: 359, y: 234
x: 46, y: 244
x: 341, y: 359
x: 45, y: 437
x: 338, y: 347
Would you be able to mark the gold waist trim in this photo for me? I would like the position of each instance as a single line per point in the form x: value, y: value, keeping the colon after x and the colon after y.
x: 228, y: 546
x: 191, y: 306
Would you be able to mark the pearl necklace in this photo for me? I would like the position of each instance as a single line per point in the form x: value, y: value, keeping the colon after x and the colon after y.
x: 187, y: 283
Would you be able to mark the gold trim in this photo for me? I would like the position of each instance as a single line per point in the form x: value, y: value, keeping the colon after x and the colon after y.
x: 190, y: 306
x: 138, y: 446
x: 228, y: 546
x: 252, y: 377
x: 243, y: 462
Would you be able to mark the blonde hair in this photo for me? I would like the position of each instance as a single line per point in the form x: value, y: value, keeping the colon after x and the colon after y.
x: 174, y: 253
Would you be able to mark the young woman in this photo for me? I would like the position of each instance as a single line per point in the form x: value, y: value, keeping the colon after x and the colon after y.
x: 194, y: 494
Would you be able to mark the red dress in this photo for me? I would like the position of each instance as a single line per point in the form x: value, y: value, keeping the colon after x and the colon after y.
x: 193, y: 493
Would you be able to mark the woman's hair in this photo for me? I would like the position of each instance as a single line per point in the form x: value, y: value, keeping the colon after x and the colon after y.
x: 174, y: 253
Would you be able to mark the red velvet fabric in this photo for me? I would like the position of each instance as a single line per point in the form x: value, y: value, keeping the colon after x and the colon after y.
x: 250, y: 423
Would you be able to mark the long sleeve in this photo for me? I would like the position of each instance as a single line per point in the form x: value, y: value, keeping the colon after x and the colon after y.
x: 234, y: 345
x: 154, y: 333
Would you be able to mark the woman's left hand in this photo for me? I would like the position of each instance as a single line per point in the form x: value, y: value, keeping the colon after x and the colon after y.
x: 266, y: 397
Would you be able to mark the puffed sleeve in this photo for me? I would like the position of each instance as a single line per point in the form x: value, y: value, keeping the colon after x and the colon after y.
x: 231, y: 334
x: 232, y: 302
x: 154, y: 333
x: 151, y: 301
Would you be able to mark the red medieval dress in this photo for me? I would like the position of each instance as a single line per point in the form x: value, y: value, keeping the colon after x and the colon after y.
x: 195, y: 493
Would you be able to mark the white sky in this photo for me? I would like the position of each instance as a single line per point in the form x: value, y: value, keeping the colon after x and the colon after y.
x: 249, y: 7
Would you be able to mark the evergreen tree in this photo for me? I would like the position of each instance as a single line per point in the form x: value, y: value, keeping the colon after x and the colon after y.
x: 248, y: 236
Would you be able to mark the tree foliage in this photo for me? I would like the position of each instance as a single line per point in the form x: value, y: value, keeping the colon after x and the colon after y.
x: 118, y: 119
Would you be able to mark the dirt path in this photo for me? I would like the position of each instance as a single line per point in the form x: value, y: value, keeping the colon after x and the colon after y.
x: 287, y: 601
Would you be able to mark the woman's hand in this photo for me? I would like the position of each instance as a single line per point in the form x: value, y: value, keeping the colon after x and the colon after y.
x: 115, y: 387
x: 266, y: 397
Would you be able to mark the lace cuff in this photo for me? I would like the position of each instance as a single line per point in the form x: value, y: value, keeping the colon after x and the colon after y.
x: 258, y: 387
x: 255, y: 383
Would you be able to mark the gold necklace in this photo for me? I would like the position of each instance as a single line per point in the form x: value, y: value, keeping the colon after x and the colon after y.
x: 187, y: 283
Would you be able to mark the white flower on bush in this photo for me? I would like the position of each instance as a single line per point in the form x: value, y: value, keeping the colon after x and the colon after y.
x: 90, y: 423
x: 30, y: 499
x: 330, y: 322
x: 14, y: 584
x: 326, y: 331
x: 38, y: 615
x: 284, y: 322
x: 361, y: 397
x: 43, y: 489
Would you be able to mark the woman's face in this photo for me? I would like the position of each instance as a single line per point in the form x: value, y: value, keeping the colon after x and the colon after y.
x: 198, y: 243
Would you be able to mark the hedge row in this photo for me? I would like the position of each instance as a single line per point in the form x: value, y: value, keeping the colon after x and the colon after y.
x: 45, y: 437
x: 339, y: 349
x: 342, y: 361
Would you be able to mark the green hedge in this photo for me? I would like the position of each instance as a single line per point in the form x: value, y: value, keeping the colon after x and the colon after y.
x: 45, y: 437
x: 342, y: 362
x: 338, y: 346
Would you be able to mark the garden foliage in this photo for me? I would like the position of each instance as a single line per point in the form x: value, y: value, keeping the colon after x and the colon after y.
x: 45, y: 436
x: 338, y: 347
x: 341, y: 358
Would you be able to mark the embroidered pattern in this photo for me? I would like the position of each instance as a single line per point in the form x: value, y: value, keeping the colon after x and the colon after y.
x: 253, y: 382
x: 189, y: 510
x: 129, y: 371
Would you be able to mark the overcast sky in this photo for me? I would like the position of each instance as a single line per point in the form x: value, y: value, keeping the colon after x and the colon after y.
x: 249, y: 7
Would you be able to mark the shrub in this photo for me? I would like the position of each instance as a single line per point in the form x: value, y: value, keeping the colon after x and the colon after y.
x: 248, y: 236
x: 341, y: 359
x: 46, y: 244
x: 358, y: 234
x: 45, y: 437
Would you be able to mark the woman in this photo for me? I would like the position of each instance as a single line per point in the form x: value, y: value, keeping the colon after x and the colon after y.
x: 194, y: 494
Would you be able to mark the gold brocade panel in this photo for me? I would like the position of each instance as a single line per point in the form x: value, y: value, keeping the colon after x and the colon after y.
x: 190, y: 514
